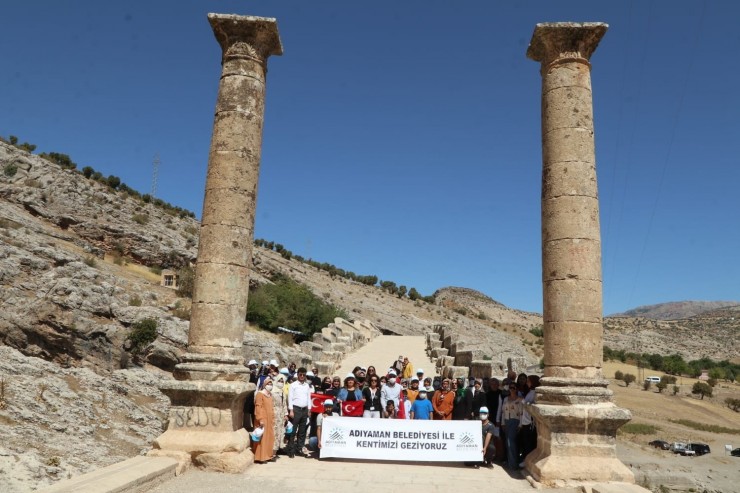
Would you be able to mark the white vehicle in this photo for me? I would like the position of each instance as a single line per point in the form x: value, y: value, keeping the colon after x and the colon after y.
x: 653, y: 379
x: 681, y: 448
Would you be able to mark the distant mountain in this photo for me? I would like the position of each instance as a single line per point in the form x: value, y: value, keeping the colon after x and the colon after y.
x: 676, y: 310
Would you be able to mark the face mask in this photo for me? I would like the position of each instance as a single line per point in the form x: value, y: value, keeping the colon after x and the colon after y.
x: 268, y: 387
x: 423, y: 395
x: 280, y: 385
x: 483, y: 417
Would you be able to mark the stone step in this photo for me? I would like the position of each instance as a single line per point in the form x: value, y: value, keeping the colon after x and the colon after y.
x: 135, y: 475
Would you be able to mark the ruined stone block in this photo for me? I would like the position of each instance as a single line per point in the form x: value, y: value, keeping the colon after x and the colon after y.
x: 481, y: 369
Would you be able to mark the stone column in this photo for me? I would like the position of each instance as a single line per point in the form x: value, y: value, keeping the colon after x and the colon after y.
x: 206, y: 415
x: 576, y: 418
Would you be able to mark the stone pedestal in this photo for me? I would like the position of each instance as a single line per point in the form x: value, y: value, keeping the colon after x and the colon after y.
x: 576, y: 418
x: 206, y: 416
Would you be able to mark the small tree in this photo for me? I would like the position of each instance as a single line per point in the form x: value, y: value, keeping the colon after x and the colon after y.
x: 702, y: 389
x: 628, y: 379
x: 675, y: 389
x: 414, y: 294
x: 87, y: 171
x: 618, y: 375
x: 401, y: 291
x: 712, y: 382
x: 646, y: 385
x: 661, y: 386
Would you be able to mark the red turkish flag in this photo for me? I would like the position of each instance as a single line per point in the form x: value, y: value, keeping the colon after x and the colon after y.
x: 401, y: 413
x: 317, y: 402
x: 352, y: 408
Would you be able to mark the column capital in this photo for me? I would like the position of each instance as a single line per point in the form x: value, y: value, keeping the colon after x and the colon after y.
x: 552, y: 41
x: 246, y: 36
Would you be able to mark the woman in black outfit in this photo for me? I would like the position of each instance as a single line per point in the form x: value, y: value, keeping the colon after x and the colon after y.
x: 371, y: 394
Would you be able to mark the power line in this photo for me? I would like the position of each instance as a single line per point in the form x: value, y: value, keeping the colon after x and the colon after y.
x: 666, y: 161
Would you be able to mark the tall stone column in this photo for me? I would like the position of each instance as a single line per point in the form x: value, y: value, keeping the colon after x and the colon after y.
x: 576, y: 418
x: 206, y: 415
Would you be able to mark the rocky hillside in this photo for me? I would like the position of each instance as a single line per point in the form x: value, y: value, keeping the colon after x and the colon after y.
x: 676, y: 310
x: 78, y: 263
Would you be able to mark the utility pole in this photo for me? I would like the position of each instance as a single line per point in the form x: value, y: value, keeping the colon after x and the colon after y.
x: 155, y: 175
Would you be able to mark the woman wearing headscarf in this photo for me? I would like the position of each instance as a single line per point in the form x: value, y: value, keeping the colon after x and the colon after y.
x: 280, y: 410
x: 264, y: 418
x: 443, y: 401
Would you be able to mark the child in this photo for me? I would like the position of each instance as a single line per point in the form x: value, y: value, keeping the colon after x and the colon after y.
x: 390, y: 410
x: 489, y: 450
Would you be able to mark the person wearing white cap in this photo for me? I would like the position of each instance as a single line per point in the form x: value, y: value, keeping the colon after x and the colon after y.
x: 488, y: 429
x: 252, y: 365
x: 328, y: 411
x: 390, y: 391
x: 420, y: 374
x: 273, y: 362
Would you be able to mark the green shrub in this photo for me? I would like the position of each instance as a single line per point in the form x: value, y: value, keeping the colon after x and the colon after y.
x: 733, y: 404
x: 143, y: 333
x: 703, y: 389
x: 537, y: 331
x: 90, y: 261
x: 646, y: 385
x: 140, y: 218
x: 661, y: 386
x: 134, y: 301
x: 628, y: 379
x: 10, y: 170
x: 705, y: 427
x: 155, y: 269
x: 618, y: 375
x: 185, y: 281
x: 289, y: 304
x: 676, y: 388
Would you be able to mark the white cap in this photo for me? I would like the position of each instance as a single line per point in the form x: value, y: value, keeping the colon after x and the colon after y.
x: 483, y: 410
x: 309, y: 373
x: 328, y: 402
x: 273, y: 362
x: 414, y: 379
x: 391, y: 373
x: 284, y: 371
x: 252, y: 362
x: 264, y: 363
x: 420, y: 370
x: 350, y: 375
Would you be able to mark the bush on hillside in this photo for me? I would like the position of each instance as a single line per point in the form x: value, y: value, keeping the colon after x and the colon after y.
x: 618, y: 375
x: 289, y: 304
x: 702, y: 389
x: 628, y: 379
x: 143, y: 333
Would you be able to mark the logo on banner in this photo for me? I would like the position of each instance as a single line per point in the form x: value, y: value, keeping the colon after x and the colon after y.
x: 335, y: 437
x: 467, y: 441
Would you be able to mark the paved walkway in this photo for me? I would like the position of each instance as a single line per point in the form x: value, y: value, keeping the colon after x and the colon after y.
x: 384, y: 350
x: 306, y: 475
x: 344, y: 475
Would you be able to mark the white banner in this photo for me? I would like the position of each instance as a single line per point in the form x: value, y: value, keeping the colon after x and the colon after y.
x: 401, y: 439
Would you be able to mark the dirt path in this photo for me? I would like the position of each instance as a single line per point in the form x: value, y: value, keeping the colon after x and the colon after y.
x: 384, y: 350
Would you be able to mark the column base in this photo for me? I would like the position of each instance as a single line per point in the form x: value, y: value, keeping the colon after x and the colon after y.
x: 577, y: 444
x: 211, y: 367
x: 205, y: 426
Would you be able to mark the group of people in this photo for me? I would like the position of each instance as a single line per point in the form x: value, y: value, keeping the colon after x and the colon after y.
x: 285, y: 410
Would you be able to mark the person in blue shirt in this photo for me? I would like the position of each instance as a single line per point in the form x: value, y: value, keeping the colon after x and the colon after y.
x: 422, y: 408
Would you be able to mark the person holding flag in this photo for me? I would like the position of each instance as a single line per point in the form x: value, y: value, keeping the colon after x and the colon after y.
x: 350, y: 398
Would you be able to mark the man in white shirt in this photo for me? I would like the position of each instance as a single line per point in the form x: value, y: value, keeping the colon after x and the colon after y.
x: 299, y: 400
x: 391, y: 391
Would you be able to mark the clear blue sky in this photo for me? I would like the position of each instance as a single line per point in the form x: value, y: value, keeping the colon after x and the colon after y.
x: 402, y: 139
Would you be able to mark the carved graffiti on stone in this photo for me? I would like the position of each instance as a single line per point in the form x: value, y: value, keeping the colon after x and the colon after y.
x: 190, y: 417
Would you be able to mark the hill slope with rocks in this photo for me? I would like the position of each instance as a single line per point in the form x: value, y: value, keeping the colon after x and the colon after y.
x: 676, y: 310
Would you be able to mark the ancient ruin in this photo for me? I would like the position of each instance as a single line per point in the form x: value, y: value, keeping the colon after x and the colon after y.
x: 576, y: 419
x: 206, y: 415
